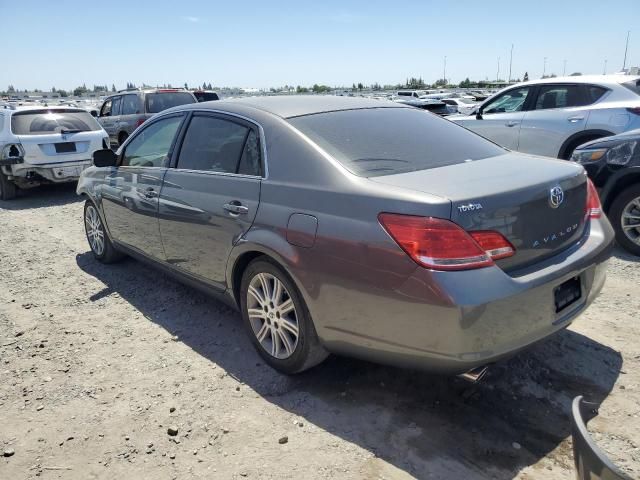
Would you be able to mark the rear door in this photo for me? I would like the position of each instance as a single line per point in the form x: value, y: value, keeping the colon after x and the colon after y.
x: 130, y: 193
x: 210, y: 199
x: 557, y: 113
x: 501, y: 117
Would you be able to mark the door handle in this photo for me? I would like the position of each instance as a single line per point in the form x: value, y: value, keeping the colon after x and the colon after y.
x: 236, y: 208
x: 511, y: 123
x: 574, y: 119
x: 150, y: 193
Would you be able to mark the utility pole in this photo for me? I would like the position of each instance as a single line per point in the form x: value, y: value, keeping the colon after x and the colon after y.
x: 604, y: 70
x: 544, y: 68
x: 626, y: 48
x: 498, y: 72
x: 444, y: 70
x: 564, y: 69
x: 510, y: 62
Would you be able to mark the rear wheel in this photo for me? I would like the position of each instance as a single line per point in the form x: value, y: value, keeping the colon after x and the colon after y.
x: 99, y: 242
x: 625, y: 217
x: 8, y: 189
x: 278, y: 320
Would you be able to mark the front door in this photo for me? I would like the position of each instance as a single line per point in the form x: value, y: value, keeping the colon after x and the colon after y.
x: 211, y: 198
x: 130, y: 195
x: 501, y: 118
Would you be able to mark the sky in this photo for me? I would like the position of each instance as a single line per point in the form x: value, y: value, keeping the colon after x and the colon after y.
x: 260, y: 44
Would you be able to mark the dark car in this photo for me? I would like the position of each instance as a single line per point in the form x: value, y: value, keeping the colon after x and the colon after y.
x: 613, y: 163
x: 354, y: 226
x: 205, y: 95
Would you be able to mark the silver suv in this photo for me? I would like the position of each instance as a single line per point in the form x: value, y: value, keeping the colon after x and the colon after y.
x: 553, y: 116
x: 125, y: 111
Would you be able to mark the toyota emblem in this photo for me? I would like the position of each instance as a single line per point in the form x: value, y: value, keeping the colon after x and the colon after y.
x: 556, y: 197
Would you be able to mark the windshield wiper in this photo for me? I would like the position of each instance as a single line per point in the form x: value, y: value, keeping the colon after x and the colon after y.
x: 64, y: 131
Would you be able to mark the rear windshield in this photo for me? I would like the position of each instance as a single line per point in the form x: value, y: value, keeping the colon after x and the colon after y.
x: 385, y: 141
x: 157, y: 102
x: 53, y: 121
x: 633, y: 85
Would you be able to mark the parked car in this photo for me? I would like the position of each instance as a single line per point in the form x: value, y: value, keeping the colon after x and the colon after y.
x: 206, y: 95
x: 417, y: 99
x: 45, y: 145
x: 613, y: 163
x: 460, y: 105
x: 354, y: 226
x: 553, y: 116
x: 122, y: 113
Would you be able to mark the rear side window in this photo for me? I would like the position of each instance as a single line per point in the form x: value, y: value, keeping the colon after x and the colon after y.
x: 386, y: 141
x: 151, y: 147
x: 559, y: 96
x: 157, y: 102
x: 130, y: 105
x: 215, y: 145
x: 594, y: 93
x: 633, y: 85
x: 52, y: 121
x: 250, y: 160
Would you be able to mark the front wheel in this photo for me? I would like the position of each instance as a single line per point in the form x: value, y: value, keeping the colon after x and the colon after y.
x: 278, y: 320
x: 625, y: 217
x: 99, y: 242
x: 8, y: 189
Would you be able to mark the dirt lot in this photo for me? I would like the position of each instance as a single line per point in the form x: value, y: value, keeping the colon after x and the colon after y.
x: 97, y: 362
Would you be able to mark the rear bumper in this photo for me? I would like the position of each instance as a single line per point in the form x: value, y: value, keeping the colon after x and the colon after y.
x: 454, y: 321
x: 58, y: 172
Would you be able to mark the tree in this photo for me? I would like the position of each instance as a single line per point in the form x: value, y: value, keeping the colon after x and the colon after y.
x: 53, y: 90
x: 575, y: 74
x: 360, y: 86
x: 113, y: 87
x: 79, y: 91
x: 441, y: 82
x: 10, y: 89
x: 186, y: 87
x: 526, y: 77
x: 63, y: 93
x: 466, y: 83
x: 300, y: 89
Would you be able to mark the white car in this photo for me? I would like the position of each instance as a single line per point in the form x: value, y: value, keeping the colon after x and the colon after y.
x: 553, y: 116
x: 45, y: 145
x: 461, y: 105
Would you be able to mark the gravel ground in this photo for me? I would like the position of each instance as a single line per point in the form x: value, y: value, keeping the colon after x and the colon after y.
x: 99, y: 362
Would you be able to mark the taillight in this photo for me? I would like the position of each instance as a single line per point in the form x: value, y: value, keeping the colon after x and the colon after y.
x: 139, y: 122
x: 443, y: 245
x: 594, y: 207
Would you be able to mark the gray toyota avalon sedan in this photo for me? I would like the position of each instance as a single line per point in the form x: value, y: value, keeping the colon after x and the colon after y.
x: 353, y: 226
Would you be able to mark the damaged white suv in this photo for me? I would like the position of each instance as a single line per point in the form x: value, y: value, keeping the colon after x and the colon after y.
x: 45, y: 145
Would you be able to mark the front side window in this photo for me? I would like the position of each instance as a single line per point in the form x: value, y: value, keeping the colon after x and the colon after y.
x: 115, y: 106
x: 387, y: 141
x: 152, y: 146
x: 106, y: 109
x: 130, y: 105
x: 559, y: 96
x: 216, y: 145
x: 508, y: 102
x: 45, y: 122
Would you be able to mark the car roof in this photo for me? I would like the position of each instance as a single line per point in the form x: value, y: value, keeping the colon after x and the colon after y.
x: 288, y: 106
x: 589, y: 79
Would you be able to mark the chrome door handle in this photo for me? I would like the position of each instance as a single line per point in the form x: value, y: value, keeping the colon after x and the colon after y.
x: 574, y: 119
x: 235, y: 208
x: 511, y: 124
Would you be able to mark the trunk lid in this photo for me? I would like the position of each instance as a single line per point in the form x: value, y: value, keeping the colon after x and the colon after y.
x: 511, y: 194
x: 58, y: 148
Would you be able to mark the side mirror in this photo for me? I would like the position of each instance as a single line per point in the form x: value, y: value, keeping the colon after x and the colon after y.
x: 105, y: 158
x: 479, y: 114
x: 93, y: 113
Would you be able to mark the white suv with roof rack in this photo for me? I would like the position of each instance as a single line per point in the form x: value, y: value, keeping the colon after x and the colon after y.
x: 553, y: 116
x: 45, y: 145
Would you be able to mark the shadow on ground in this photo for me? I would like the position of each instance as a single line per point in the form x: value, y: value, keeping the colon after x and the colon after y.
x: 422, y: 424
x: 43, y: 196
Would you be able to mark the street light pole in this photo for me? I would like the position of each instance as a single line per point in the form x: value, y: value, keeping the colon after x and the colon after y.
x: 510, y: 62
x: 544, y: 68
x: 498, y: 72
x: 564, y: 69
x: 604, y: 71
x: 444, y: 70
x: 626, y: 48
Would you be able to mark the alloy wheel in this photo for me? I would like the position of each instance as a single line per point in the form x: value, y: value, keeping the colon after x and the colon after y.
x: 94, y: 229
x: 272, y: 315
x: 630, y: 220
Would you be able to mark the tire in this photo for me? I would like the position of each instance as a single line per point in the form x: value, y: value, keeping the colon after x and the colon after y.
x: 627, y: 204
x: 122, y: 138
x: 97, y: 236
x: 278, y: 345
x: 8, y: 189
x: 566, y: 155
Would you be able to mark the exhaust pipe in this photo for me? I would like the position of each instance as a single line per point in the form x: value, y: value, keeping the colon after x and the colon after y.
x: 474, y: 375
